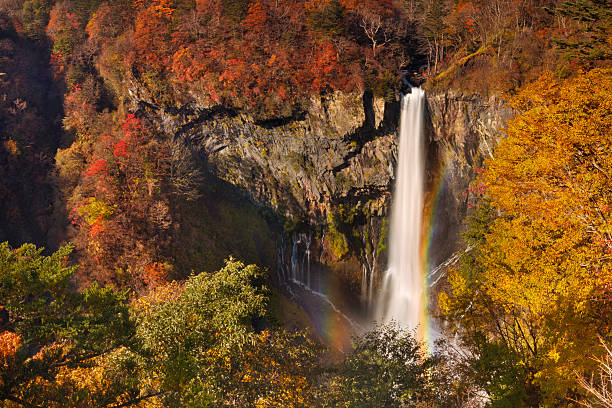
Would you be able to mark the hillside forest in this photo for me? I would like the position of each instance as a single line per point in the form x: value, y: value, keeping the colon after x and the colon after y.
x: 132, y: 276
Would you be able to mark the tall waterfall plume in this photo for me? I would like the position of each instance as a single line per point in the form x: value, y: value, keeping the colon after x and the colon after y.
x: 402, y: 296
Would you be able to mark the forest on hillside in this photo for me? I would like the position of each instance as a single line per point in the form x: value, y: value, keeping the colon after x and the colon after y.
x: 132, y: 276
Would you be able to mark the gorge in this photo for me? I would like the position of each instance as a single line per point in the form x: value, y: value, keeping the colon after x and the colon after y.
x: 332, y: 172
x: 245, y: 203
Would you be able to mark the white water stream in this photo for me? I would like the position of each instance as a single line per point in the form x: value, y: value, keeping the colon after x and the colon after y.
x: 402, y: 296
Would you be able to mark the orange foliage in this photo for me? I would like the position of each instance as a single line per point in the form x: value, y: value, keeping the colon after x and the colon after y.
x: 271, y: 60
x: 79, y: 111
x: 151, y: 44
x: 61, y: 21
x: 156, y: 273
x: 161, y: 8
x: 10, y: 343
x: 257, y: 17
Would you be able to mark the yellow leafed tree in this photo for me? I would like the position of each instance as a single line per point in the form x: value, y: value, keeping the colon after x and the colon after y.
x: 539, y: 283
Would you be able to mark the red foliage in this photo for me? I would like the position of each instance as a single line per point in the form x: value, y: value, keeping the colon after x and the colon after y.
x: 97, y: 227
x: 99, y: 166
x: 325, y: 68
x: 120, y: 149
x: 58, y: 63
x: 132, y: 126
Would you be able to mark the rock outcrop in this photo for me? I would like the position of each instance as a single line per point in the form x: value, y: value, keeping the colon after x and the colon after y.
x: 463, y: 131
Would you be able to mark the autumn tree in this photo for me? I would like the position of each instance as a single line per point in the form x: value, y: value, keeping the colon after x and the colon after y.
x: 599, y: 385
x: 50, y: 328
x: 201, y: 346
x: 536, y: 288
x: 65, y: 29
x: 120, y: 195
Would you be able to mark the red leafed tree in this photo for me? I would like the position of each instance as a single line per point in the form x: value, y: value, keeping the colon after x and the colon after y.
x: 325, y: 68
x: 123, y: 222
x: 96, y: 168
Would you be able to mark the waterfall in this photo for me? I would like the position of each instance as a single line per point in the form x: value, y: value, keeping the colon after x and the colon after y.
x: 402, y: 294
x: 300, y: 264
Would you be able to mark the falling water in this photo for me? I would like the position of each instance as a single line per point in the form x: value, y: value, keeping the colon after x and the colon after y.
x: 402, y: 294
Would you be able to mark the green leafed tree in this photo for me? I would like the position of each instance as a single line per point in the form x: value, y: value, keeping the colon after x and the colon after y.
x: 201, y: 347
x: 47, y: 328
x: 586, y: 38
x: 387, y: 368
x: 35, y: 16
x: 329, y: 20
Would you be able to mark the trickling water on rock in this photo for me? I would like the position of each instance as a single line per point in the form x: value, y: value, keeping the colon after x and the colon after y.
x: 402, y: 295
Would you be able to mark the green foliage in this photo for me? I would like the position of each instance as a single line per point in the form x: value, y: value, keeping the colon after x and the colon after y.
x: 96, y: 210
x: 199, y: 343
x: 210, y: 318
x: 478, y: 223
x: 235, y: 10
x: 589, y: 41
x: 387, y: 368
x: 34, y: 18
x: 506, y: 380
x: 57, y: 326
x: 434, y: 23
x: 384, y: 232
x: 85, y: 8
x: 337, y: 240
x: 384, y: 85
x: 328, y: 21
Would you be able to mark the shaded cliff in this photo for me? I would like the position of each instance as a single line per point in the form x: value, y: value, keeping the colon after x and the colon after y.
x: 30, y: 115
x: 326, y: 172
x: 463, y: 131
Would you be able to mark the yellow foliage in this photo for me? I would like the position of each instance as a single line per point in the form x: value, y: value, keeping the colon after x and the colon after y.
x: 159, y: 294
x: 540, y: 280
x: 263, y: 369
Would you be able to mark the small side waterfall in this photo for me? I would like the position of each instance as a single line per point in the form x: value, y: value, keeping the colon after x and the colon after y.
x: 402, y: 296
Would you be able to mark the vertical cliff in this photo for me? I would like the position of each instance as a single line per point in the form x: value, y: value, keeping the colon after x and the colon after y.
x: 463, y: 131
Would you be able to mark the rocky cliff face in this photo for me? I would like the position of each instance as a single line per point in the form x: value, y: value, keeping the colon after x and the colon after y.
x: 330, y: 170
x: 463, y: 131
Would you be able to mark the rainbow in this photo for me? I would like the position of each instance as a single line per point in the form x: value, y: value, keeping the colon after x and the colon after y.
x: 336, y: 328
x: 431, y: 223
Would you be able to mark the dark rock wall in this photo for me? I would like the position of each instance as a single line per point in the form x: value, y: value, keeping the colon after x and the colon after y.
x: 463, y: 131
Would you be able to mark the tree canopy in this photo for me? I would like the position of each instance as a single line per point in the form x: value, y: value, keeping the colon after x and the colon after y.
x: 537, y: 286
